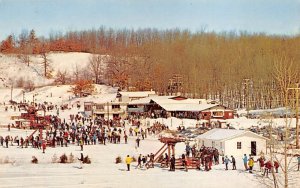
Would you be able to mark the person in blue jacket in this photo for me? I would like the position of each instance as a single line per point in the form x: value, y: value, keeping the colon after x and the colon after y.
x: 245, y: 160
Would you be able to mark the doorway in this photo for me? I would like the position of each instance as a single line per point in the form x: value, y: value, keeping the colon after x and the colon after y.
x: 253, y: 148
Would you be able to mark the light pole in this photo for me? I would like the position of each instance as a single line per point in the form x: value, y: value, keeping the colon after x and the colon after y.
x: 296, y: 111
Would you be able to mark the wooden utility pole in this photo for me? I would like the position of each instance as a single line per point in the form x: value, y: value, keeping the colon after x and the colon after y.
x: 246, y: 82
x: 296, y: 112
x: 285, y: 169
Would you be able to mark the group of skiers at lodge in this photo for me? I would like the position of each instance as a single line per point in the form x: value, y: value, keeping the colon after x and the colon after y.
x: 265, y: 166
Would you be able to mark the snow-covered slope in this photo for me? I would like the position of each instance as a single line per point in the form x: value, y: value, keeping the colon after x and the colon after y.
x: 56, y: 94
x: 12, y: 68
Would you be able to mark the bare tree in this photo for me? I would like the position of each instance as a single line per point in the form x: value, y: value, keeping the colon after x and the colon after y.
x: 279, y: 151
x: 118, y: 71
x: 61, y: 77
x: 76, y: 72
x: 96, y: 64
x: 46, y: 65
x: 284, y: 74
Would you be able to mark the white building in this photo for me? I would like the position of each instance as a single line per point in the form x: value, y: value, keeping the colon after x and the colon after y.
x: 113, y: 105
x: 234, y: 142
x: 127, y: 96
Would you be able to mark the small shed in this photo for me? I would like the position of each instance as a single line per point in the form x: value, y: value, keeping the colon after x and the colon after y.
x: 234, y: 142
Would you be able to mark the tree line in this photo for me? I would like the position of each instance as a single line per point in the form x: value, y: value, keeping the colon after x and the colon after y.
x: 238, y: 69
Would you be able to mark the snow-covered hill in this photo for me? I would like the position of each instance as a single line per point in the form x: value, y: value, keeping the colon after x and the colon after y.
x: 56, y: 94
x: 12, y: 68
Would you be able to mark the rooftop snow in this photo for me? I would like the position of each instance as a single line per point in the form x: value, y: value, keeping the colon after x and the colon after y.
x: 137, y: 93
x: 221, y: 134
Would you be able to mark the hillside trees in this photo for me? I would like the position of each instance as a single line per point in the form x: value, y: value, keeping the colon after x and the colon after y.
x: 83, y: 87
x: 8, y: 45
x: 212, y: 65
x: 62, y: 77
x: 96, y: 64
x: 118, y: 71
x: 46, y: 62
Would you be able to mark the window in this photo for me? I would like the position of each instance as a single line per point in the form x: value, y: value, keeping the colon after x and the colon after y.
x: 239, y: 145
x: 88, y: 107
x: 115, y: 106
x: 218, y: 113
x: 99, y: 107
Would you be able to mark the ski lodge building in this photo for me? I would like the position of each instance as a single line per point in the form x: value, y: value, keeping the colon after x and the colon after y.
x: 233, y: 142
x: 114, y: 105
x: 182, y: 107
x: 150, y: 105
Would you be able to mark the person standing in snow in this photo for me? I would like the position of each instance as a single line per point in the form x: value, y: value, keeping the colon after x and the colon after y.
x: 44, y: 146
x: 251, y: 164
x: 81, y: 144
x: 276, y: 165
x: 187, y: 150
x: 172, y: 163
x: 184, y: 162
x: 139, y: 161
x: 233, y: 163
x: 245, y: 160
x: 128, y: 161
x: 268, y: 167
x: 138, y: 141
x: 226, y: 161
x: 125, y: 137
x: 261, y: 161
x: 6, y: 141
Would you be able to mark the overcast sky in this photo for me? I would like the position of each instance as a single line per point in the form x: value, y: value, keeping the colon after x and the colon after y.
x: 280, y: 17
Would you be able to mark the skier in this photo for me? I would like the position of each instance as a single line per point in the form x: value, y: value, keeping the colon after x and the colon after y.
x: 276, y: 165
x: 233, y: 163
x: 245, y: 160
x: 125, y: 137
x: 81, y: 144
x: 251, y: 164
x: 6, y: 141
x: 184, y: 162
x: 172, y: 163
x: 226, y: 161
x: 138, y: 141
x: 44, y: 146
x: 128, y: 161
x: 166, y: 160
x: 268, y: 167
x: 261, y: 161
x: 139, y: 161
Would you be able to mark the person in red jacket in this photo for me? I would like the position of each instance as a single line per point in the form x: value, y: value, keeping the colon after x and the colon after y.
x: 276, y: 165
x: 44, y: 146
x: 261, y: 161
x: 268, y: 167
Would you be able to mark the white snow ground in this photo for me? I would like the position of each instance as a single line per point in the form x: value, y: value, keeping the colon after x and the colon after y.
x: 103, y: 172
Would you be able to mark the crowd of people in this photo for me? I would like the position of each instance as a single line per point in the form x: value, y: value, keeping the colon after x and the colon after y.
x: 81, y: 131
